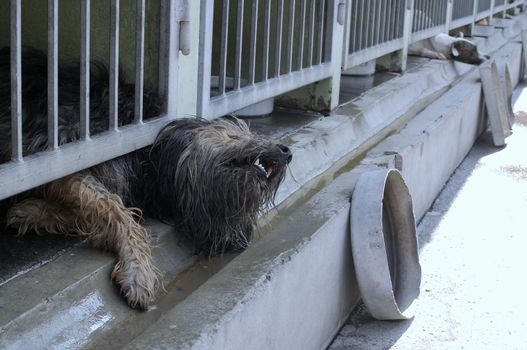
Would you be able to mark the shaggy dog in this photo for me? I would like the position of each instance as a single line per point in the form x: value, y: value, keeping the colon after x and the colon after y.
x: 210, y: 179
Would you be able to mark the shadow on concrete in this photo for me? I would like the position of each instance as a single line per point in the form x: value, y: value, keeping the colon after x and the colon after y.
x: 363, y: 332
x: 482, y: 148
x: 21, y: 254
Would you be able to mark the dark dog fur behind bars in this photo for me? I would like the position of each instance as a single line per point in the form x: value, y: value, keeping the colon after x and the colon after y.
x: 210, y: 179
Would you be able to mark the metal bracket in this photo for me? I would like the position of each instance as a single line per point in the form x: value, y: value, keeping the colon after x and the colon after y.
x: 183, y: 18
x: 341, y: 12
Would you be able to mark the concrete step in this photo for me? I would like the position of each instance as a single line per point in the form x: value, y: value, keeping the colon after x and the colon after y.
x: 294, y: 286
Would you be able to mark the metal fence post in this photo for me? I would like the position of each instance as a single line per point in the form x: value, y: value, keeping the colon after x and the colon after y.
x: 347, y: 33
x: 491, y: 16
x: 449, y: 10
x: 205, y: 57
x: 407, y: 31
x: 474, y: 14
x: 168, y: 59
x: 337, y: 47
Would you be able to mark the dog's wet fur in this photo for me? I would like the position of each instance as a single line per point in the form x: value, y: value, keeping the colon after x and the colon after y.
x: 209, y: 179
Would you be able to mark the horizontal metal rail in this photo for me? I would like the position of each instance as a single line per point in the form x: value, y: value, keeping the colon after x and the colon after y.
x: 43, y: 167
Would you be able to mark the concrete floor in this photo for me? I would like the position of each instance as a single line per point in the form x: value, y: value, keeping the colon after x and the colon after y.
x: 472, y: 250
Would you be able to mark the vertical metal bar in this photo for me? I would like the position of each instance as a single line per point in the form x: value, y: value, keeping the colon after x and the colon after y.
x: 16, y: 79
x: 374, y: 21
x: 223, y: 48
x: 85, y: 71
x: 438, y: 19
x: 449, y: 11
x: 114, y: 65
x: 278, y: 41
x: 348, y: 35
x: 311, y: 34
x: 53, y: 116
x: 239, y: 45
x: 320, y: 43
x: 474, y: 14
x: 384, y: 22
x: 139, y: 60
x: 389, y: 30
x: 290, y: 36
x: 401, y: 16
x: 266, y: 39
x: 355, y: 25
x: 491, y: 11
x: 301, y: 34
x: 206, y: 28
x: 254, y: 32
x: 407, y: 30
x: 331, y: 25
x: 380, y: 22
x: 365, y: 25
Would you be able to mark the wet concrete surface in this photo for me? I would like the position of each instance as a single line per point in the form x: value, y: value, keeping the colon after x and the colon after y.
x: 472, y: 248
x: 352, y: 86
x: 20, y: 254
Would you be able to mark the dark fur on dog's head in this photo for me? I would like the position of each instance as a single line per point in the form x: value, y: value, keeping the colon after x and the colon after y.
x: 213, y: 178
x: 465, y: 51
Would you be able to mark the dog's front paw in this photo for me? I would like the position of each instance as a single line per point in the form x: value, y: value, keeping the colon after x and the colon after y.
x: 24, y: 216
x: 137, y: 283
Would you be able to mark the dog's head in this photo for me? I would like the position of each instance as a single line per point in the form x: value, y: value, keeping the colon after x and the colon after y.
x: 465, y: 51
x: 214, y: 177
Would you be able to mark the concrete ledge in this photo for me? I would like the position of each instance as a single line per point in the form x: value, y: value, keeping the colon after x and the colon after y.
x: 364, y: 121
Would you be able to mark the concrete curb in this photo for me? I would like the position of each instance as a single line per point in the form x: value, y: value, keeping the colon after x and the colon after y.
x: 363, y: 122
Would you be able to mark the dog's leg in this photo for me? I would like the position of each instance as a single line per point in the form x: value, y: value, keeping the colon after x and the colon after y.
x: 41, y: 216
x: 425, y: 52
x: 102, y: 217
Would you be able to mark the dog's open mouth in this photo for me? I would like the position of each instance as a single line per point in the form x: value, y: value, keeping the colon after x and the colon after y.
x: 265, y: 167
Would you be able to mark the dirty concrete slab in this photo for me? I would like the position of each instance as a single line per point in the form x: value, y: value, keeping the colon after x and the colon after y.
x: 472, y: 247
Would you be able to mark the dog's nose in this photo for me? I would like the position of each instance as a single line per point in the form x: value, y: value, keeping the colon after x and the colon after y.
x: 286, y: 152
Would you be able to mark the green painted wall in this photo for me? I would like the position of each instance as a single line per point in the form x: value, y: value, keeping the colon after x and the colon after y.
x: 34, y: 32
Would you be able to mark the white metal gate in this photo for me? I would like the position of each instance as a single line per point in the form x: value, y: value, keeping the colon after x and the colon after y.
x: 25, y: 172
x: 377, y: 27
x: 252, y: 50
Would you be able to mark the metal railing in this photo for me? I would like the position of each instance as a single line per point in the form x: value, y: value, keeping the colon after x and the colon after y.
x: 253, y: 50
x: 23, y: 171
x: 375, y: 27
